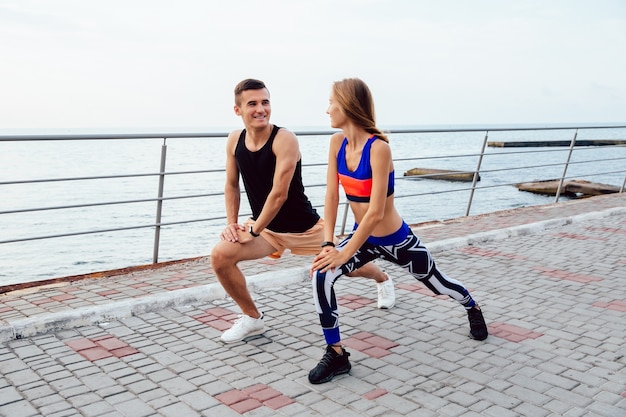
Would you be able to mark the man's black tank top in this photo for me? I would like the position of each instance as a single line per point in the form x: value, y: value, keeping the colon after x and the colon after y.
x: 257, y: 170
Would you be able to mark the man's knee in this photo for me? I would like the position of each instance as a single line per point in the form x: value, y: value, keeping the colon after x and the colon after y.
x: 222, y: 256
x: 368, y: 271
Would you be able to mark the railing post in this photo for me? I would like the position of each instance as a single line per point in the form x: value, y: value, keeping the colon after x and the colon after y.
x: 157, y: 228
x: 345, y: 218
x: 475, y: 179
x: 569, y: 155
x: 621, y: 190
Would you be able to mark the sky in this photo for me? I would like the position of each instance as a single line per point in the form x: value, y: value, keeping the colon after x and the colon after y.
x: 155, y: 64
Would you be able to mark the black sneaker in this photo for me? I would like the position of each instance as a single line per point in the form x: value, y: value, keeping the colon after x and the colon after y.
x: 331, y: 364
x: 478, y: 328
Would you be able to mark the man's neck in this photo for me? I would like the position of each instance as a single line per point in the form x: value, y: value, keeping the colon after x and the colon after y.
x: 259, y: 134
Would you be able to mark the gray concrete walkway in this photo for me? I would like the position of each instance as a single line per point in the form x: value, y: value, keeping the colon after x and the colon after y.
x: 145, y: 342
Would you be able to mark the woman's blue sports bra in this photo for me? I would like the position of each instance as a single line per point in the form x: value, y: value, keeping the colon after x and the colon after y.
x: 358, y: 183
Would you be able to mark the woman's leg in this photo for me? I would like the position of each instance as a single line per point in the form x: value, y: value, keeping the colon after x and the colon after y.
x: 412, y: 255
x: 335, y: 360
x: 326, y: 303
x: 415, y: 257
x: 324, y: 293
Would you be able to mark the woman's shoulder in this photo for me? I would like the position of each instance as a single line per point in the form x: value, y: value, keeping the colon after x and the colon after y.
x: 380, y: 148
x: 336, y: 140
x: 380, y: 144
x: 337, y: 136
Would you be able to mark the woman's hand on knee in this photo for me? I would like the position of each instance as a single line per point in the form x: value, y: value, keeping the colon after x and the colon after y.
x: 329, y: 258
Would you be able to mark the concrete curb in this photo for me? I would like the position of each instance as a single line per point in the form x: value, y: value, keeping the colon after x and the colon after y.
x: 521, y: 230
x: 90, y: 315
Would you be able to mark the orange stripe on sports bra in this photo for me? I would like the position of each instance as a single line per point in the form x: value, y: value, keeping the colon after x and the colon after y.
x: 356, y: 187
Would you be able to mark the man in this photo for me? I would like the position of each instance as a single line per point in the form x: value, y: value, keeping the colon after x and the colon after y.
x: 269, y: 161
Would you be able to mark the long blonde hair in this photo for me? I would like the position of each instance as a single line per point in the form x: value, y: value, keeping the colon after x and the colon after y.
x: 355, y: 99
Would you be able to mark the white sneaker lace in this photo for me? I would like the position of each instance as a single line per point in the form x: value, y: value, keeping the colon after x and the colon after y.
x: 383, y: 287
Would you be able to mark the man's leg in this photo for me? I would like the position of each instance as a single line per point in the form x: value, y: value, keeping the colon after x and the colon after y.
x: 308, y: 243
x: 371, y: 271
x: 224, y: 259
x: 384, y: 284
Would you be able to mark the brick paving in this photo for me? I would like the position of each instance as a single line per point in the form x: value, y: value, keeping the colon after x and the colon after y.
x: 145, y: 341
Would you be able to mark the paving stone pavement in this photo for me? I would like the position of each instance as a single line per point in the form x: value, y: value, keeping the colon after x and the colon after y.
x: 145, y: 342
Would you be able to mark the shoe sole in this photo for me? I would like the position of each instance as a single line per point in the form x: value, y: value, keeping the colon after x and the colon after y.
x: 386, y: 307
x: 254, y: 333
x: 331, y: 376
x: 471, y: 336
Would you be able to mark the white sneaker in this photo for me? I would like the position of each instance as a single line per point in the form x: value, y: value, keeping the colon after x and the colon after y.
x: 386, y: 293
x: 244, y: 326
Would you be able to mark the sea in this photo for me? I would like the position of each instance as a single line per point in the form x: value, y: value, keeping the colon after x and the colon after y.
x: 194, y: 204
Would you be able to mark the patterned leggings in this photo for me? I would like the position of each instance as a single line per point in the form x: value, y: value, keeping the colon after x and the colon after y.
x: 409, y: 254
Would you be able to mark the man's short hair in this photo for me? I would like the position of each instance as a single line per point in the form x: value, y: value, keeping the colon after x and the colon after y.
x: 248, y: 84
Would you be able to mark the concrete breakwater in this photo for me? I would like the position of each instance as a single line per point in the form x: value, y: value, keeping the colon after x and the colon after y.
x: 570, y: 188
x: 441, y: 174
x: 535, y: 143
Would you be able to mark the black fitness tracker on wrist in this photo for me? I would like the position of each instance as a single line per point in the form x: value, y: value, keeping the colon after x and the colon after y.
x: 252, y: 232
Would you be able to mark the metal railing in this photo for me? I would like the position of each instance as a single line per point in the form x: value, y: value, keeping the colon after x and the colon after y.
x: 164, y: 176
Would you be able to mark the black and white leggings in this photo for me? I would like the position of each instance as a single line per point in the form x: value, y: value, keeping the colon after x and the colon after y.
x: 409, y: 254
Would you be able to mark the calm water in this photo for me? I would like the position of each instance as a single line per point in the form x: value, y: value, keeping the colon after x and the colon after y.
x: 49, y: 258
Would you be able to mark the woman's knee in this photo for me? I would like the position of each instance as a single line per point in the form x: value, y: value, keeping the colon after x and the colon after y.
x: 322, y: 281
x: 318, y: 278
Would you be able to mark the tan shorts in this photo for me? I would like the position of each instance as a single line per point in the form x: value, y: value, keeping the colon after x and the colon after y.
x: 307, y: 243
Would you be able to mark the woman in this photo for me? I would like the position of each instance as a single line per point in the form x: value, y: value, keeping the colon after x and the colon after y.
x: 360, y: 159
